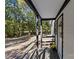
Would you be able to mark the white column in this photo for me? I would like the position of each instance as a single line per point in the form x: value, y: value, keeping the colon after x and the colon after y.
x: 52, y: 27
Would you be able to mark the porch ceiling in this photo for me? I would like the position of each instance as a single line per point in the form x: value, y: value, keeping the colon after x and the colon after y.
x: 48, y: 8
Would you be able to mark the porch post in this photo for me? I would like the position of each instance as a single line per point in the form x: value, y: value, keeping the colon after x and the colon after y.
x: 52, y: 27
x: 41, y: 32
x: 37, y: 35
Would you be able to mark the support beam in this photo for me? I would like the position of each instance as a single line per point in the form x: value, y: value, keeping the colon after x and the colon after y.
x: 37, y: 34
x: 48, y: 18
x: 41, y: 31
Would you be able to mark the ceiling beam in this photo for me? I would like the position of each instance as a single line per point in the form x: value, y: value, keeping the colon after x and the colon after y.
x: 62, y: 7
x: 48, y: 18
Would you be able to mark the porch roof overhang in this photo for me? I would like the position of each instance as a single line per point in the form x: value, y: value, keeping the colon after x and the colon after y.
x: 47, y: 9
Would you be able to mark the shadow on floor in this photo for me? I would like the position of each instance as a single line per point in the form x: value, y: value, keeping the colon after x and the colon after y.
x: 53, y: 54
x: 47, y: 53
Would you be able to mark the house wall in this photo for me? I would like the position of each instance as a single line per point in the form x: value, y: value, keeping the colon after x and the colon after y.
x: 68, y: 31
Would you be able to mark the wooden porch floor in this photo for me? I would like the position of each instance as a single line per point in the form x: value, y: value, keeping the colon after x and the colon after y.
x: 46, y: 53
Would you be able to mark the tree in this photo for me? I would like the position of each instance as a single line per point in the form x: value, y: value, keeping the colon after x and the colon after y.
x: 46, y: 27
x: 18, y: 18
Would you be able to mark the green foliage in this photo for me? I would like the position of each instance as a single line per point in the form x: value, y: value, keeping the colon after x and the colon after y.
x: 31, y: 21
x: 16, y: 21
x: 46, y: 27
